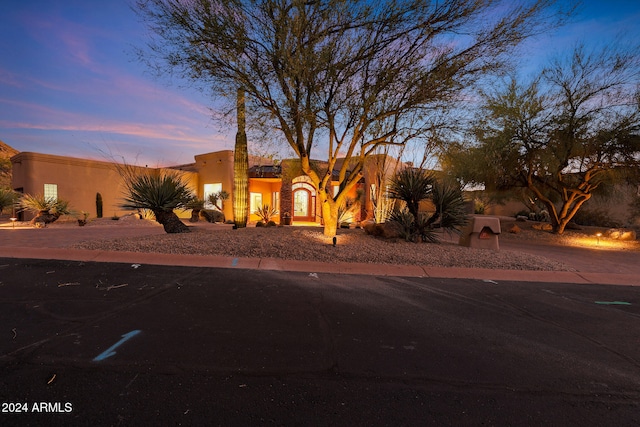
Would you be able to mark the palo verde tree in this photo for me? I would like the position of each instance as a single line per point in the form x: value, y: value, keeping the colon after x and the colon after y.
x: 345, y: 76
x: 572, y: 130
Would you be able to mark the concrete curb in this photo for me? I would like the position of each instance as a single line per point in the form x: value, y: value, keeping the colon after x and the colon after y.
x: 274, y: 264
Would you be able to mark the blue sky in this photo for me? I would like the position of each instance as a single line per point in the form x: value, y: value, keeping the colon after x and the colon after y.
x: 71, y: 85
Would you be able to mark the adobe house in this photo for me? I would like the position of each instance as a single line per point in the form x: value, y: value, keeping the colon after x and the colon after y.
x: 281, y: 186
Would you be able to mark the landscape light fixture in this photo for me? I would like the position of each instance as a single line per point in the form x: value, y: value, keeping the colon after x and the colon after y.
x: 598, y: 235
x: 13, y: 222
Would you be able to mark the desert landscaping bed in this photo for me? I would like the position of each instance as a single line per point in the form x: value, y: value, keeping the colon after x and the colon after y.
x: 308, y: 244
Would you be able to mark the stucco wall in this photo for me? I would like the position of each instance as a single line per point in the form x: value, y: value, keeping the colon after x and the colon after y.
x: 213, y: 168
x: 78, y: 181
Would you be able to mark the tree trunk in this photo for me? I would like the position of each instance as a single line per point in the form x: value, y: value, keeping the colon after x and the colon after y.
x: 45, y: 217
x: 329, y: 215
x: 195, y: 215
x: 171, y: 222
x: 241, y: 168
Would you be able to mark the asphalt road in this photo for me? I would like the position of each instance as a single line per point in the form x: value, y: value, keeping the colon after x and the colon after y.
x: 123, y: 344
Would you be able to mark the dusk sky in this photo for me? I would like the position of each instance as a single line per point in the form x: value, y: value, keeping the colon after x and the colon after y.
x: 70, y: 83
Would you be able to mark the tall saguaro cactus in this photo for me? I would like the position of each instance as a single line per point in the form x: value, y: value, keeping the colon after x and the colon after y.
x: 241, y: 167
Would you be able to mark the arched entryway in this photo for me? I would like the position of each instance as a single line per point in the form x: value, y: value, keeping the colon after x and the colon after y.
x: 304, y: 201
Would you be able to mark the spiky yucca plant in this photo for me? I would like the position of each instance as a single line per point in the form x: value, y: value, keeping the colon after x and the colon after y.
x: 411, y: 186
x: 450, y: 206
x: 47, y: 210
x: 8, y: 198
x: 160, y: 192
x: 196, y: 205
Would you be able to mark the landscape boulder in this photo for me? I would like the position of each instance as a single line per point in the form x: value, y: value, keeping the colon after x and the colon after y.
x: 387, y: 230
x: 621, y: 234
x: 543, y: 226
x: 514, y: 229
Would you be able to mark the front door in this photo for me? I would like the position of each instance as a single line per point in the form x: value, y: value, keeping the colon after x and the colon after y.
x: 302, y: 205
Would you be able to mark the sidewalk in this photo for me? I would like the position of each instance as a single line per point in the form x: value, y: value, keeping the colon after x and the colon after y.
x: 592, y: 266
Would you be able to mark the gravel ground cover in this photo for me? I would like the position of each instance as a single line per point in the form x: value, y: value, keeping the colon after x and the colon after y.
x: 308, y: 243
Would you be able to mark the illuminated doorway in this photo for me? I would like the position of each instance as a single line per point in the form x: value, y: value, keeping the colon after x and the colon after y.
x: 304, y: 202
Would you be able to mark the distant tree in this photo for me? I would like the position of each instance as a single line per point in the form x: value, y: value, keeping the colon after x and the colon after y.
x: 349, y: 75
x: 564, y: 135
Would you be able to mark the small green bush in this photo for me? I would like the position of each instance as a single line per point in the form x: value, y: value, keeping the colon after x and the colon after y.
x: 212, y: 215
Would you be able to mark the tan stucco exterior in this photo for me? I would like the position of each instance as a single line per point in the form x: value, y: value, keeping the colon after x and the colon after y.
x: 79, y: 180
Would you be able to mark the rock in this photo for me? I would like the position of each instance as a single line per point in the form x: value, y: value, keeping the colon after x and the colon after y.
x: 514, y: 229
x: 387, y: 230
x: 621, y: 234
x: 522, y: 218
x: 371, y: 229
x: 129, y: 217
x: 542, y: 226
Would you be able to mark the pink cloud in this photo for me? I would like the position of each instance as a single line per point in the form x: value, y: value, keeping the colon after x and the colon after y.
x: 45, y: 118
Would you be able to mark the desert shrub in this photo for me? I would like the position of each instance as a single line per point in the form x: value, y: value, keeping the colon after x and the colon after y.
x: 539, y: 216
x: 634, y: 209
x: 403, y: 219
x: 212, y: 215
x: 595, y: 218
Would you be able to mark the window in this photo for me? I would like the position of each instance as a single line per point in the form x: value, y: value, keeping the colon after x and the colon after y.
x: 51, y: 192
x: 210, y: 189
x: 255, y: 201
x: 275, y: 200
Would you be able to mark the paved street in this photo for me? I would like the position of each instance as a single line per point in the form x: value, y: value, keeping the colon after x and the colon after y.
x: 127, y: 344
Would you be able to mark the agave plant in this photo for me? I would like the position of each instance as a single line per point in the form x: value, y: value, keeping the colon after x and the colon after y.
x: 266, y: 212
x: 45, y: 209
x: 160, y: 192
